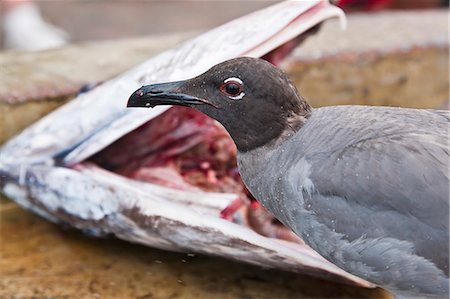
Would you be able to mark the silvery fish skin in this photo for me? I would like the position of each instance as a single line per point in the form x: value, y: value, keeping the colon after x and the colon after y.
x: 41, y: 168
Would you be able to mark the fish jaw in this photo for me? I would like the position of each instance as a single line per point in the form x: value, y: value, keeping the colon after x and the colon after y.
x: 94, y: 202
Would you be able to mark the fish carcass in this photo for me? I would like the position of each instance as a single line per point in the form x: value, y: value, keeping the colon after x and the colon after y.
x: 77, y: 165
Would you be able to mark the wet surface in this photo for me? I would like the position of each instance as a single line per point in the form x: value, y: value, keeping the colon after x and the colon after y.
x: 42, y: 260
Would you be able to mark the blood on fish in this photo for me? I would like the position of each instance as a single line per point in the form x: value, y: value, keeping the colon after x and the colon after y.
x: 229, y: 211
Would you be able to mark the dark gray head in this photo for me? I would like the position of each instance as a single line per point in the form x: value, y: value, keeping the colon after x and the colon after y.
x: 255, y: 101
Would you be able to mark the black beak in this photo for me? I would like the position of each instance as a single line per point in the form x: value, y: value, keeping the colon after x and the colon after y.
x: 163, y: 94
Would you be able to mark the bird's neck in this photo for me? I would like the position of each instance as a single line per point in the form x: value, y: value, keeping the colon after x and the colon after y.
x: 271, y: 134
x: 295, y: 121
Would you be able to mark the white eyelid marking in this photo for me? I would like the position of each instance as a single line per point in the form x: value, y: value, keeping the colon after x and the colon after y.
x: 238, y: 97
x: 233, y: 79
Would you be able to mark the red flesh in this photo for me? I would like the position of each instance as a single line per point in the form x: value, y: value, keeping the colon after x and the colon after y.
x: 186, y: 150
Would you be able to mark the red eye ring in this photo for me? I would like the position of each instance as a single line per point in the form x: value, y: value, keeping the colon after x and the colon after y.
x: 231, y: 88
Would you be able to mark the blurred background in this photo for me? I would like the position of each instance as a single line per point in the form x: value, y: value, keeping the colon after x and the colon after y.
x: 89, y: 20
x: 101, y: 19
x: 394, y: 52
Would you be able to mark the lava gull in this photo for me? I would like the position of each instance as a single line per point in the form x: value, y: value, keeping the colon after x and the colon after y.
x: 366, y: 187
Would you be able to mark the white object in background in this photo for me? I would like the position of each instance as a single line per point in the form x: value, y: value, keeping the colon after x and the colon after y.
x: 24, y: 29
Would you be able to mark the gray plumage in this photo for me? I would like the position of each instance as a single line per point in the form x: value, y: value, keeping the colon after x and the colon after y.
x: 366, y: 187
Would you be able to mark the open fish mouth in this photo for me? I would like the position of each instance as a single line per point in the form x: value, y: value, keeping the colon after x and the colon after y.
x: 185, y: 150
x: 164, y: 177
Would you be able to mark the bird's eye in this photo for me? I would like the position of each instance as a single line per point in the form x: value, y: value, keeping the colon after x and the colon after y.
x: 232, y: 87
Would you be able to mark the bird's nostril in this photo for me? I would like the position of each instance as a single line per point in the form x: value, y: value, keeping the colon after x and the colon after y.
x: 155, y: 91
x: 145, y: 91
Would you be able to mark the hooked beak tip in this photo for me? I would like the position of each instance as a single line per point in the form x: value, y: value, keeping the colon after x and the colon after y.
x: 138, y: 99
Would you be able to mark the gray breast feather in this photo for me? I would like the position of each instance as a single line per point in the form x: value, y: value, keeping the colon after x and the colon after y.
x: 368, y: 188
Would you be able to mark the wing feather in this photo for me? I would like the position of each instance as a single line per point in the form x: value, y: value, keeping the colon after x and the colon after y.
x: 394, y: 186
